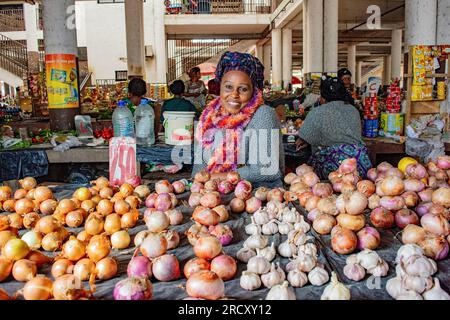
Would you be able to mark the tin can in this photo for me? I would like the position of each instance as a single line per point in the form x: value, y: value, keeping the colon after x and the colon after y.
x: 392, y: 123
x: 441, y: 90
x: 370, y: 127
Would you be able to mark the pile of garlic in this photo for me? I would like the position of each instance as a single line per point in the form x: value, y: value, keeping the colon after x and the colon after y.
x: 366, y: 260
x: 414, y: 279
x: 303, y: 267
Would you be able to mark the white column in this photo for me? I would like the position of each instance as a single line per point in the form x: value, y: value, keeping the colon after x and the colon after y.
x: 160, y: 42
x: 267, y: 61
x: 420, y: 22
x: 314, y: 23
x: 386, y: 69
x: 287, y: 57
x: 330, y: 36
x: 443, y: 22
x: 2, y: 88
x: 259, y: 52
x: 351, y: 60
x: 305, y: 38
x: 134, y: 26
x: 358, y: 76
x: 396, y: 53
x: 277, y: 59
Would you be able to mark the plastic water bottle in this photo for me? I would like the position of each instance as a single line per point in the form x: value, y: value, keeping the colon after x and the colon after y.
x: 122, y: 120
x: 144, y: 118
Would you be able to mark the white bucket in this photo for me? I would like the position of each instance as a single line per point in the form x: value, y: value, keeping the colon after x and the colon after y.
x: 179, y: 127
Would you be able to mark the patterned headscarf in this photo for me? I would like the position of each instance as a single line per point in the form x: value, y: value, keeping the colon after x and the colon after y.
x: 237, y: 61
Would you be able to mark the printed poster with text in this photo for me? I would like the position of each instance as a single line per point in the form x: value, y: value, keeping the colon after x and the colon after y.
x: 62, y: 81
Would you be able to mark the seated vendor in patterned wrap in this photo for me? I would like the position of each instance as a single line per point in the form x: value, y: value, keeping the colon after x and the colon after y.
x: 334, y: 131
x: 251, y: 142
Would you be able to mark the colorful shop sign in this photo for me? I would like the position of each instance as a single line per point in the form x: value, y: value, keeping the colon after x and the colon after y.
x: 62, y: 81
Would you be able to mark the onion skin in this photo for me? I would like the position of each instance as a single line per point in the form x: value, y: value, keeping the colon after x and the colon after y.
x: 252, y: 205
x: 62, y: 267
x: 372, y: 174
x: 23, y: 206
x: 392, y: 186
x: 163, y: 202
x: 207, y: 247
x: 223, y: 233
x: 435, y: 224
x: 222, y: 212
x: 322, y: 190
x: 237, y: 205
x: 411, y: 199
x: 68, y: 287
x: 233, y: 177
x: 39, y: 258
x: 382, y: 218
x: 38, y: 288
x: 347, y: 166
x: 344, y: 241
x: 243, y: 190
x: 166, y: 268
x: 323, y: 223
x: 139, y: 267
x: 133, y: 289
x: 6, y: 266
x: 153, y: 246
x: 225, y: 187
x: 404, y: 217
x: 368, y: 238
x: 351, y: 222
x: 416, y: 171
x: 106, y: 268
x: 205, y: 216
x: 413, y: 234
x: 441, y: 196
x: 435, y: 247
x: 202, y: 176
x: 15, y: 249
x: 210, y: 200
x: 224, y: 266
x: 195, y: 265
x: 163, y: 186
x: 392, y: 203
x: 366, y: 187
x: 99, y: 247
x: 83, y: 269
x: 206, y: 285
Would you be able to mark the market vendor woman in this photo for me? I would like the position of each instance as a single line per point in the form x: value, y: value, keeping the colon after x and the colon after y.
x: 237, y: 131
x: 334, y: 131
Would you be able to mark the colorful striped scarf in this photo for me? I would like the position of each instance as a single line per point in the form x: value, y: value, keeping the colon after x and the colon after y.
x: 215, y: 118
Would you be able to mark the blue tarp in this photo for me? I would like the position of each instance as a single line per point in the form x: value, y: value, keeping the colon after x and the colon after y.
x: 18, y: 164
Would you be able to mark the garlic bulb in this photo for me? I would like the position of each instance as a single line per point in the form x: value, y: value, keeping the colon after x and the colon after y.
x: 368, y: 259
x: 250, y: 281
x: 281, y: 292
x: 417, y: 265
x: 298, y: 237
x: 400, y: 271
x: 408, y: 250
x: 261, y: 217
x: 287, y: 249
x: 335, y: 290
x: 417, y: 284
x: 409, y: 295
x: 258, y: 265
x: 302, y: 225
x: 285, y: 228
x: 305, y: 262
x: 268, y: 252
x: 354, y: 272
x: 352, y: 259
x: 251, y: 228
x: 274, y: 277
x: 318, y: 276
x: 435, y: 293
x: 291, y: 216
x: 274, y: 208
x: 380, y: 270
x: 270, y: 228
x: 308, y: 248
x: 297, y: 279
x: 394, y: 287
x: 245, y: 254
x: 256, y: 241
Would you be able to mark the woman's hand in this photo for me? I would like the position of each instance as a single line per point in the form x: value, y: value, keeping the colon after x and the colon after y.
x: 300, y: 144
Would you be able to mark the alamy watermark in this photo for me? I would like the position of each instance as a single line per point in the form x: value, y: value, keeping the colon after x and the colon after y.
x: 374, y: 20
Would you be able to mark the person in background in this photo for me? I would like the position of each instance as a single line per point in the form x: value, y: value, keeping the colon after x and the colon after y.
x: 223, y: 133
x: 346, y: 76
x: 213, y: 90
x: 196, y: 89
x: 334, y: 132
x: 137, y: 88
x: 177, y: 103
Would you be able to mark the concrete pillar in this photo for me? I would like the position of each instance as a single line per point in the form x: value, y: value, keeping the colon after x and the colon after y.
x: 60, y: 37
x: 277, y: 59
x: 330, y: 36
x: 287, y: 57
x: 420, y: 22
x: 259, y: 53
x: 160, y: 42
x: 351, y: 60
x: 314, y: 21
x: 134, y: 26
x: 2, y: 88
x: 267, y: 61
x: 31, y: 29
x: 305, y: 38
x: 396, y: 54
x: 358, y: 75
x: 386, y: 69
x: 443, y: 22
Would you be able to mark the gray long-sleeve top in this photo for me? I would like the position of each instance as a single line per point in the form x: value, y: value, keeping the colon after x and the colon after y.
x: 260, y: 149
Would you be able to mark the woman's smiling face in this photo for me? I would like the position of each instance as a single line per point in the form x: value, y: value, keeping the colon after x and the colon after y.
x: 236, y: 91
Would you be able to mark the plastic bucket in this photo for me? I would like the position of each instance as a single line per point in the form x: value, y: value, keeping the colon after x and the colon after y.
x: 178, y: 127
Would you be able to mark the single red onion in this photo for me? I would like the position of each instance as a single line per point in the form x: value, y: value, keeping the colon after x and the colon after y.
x: 348, y: 166
x: 139, y: 267
x: 197, y: 187
x: 384, y: 167
x: 225, y: 187
x: 243, y: 190
x: 304, y: 168
x: 425, y: 195
x: 435, y: 247
x: 382, y: 218
x: 443, y: 162
x: 372, y: 174
x: 275, y: 195
x: 194, y: 199
x: 150, y: 201
x: 166, y: 268
x: 252, y: 205
x: 394, y: 172
x: 337, y: 186
x: 404, y: 217
x: 414, y: 185
x: 435, y: 224
x: 163, y: 202
x: 233, y: 177
x: 411, y: 199
x: 133, y: 180
x: 416, y: 171
x: 179, y: 187
x: 223, y: 233
x: 392, y: 203
x: 423, y: 208
x: 133, y: 289
x: 368, y: 238
x: 312, y: 215
x: 163, y: 186
x: 323, y: 190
